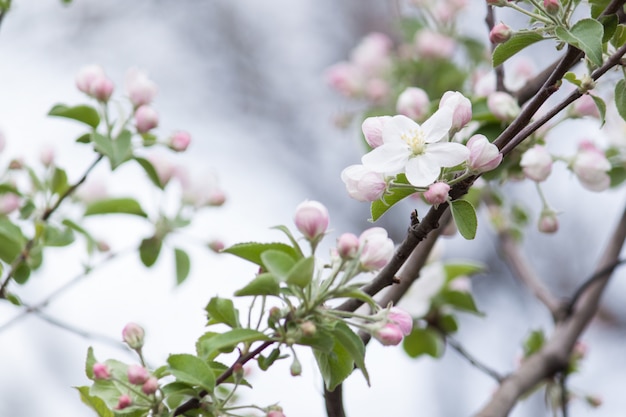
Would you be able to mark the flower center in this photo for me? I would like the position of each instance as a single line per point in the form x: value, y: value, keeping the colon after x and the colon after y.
x: 415, y: 139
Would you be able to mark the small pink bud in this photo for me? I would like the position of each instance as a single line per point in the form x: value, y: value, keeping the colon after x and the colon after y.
x: 101, y: 89
x: 548, y: 222
x: 363, y: 184
x: 402, y: 319
x: 437, y: 193
x: 594, y: 400
x: 311, y: 219
x: 461, y: 108
x: 345, y: 78
x: 137, y: 374
x: 503, y: 106
x: 141, y: 90
x: 46, y: 156
x: 133, y: 334
x: 372, y: 128
x: 429, y: 44
x: 347, y: 245
x: 216, y: 198
x: 591, y: 167
x: 484, y: 155
x: 277, y: 412
x: 551, y: 6
x: 389, y: 335
x: 101, y: 371
x: 413, y: 103
x: 216, y: 246
x: 103, y: 246
x: 146, y: 119
x: 585, y: 106
x: 123, y: 402
x: 500, y: 33
x: 179, y: 141
x: 87, y: 75
x: 150, y: 386
x: 9, y: 202
x: 377, y: 249
x: 536, y: 163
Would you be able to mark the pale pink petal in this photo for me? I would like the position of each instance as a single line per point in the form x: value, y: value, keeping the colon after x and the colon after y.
x: 447, y: 154
x: 422, y: 171
x: 388, y: 158
x: 396, y: 127
x: 438, y: 125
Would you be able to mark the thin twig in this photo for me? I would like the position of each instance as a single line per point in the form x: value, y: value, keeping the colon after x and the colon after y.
x: 589, y: 281
x: 77, y: 331
x: 499, y: 70
x: 454, y: 344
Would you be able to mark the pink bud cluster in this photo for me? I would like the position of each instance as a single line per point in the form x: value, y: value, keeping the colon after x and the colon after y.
x: 591, y: 167
x: 374, y: 246
x: 430, y: 44
x: 92, y: 81
x: 393, y: 325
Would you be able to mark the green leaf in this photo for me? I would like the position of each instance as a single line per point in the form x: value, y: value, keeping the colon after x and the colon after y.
x: 459, y: 300
x: 11, y: 240
x: 610, y: 26
x: 115, y: 206
x: 572, y: 78
x: 211, y: 344
x: 597, y: 7
x: 277, y: 263
x: 59, y: 181
x: 95, y: 403
x: 82, y: 113
x: 601, y: 105
x: 322, y: 340
x: 86, y: 138
x: 617, y: 175
x: 149, y: 250
x: 150, y: 171
x: 392, y: 197
x: 619, y: 37
x: 334, y: 366
x: 585, y: 35
x: 222, y: 310
x: 21, y: 273
x: 423, y: 342
x: 516, y: 43
x: 54, y: 236
x: 91, y: 242
x: 251, y: 251
x: 192, y: 370
x: 353, y: 345
x: 183, y: 265
x: 118, y: 150
x: 89, y: 363
x: 466, y: 268
x: 302, y: 272
x: 263, y: 284
x: 535, y: 341
x: 266, y: 362
x: 465, y: 218
x: 620, y: 98
x: 14, y: 299
x: 448, y: 323
x: 292, y: 239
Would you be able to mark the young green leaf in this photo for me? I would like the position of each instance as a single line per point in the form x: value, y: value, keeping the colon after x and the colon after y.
x: 620, y: 98
x: 183, y: 265
x: 423, y: 342
x: 516, y: 43
x: 118, y: 150
x: 277, y: 263
x: 353, y: 345
x: 11, y: 240
x: 150, y: 171
x: 292, y: 239
x: 191, y: 370
x: 456, y: 269
x: 601, y: 105
x: 585, y: 35
x: 251, y: 251
x: 302, y: 272
x: 212, y: 344
x: 465, y: 218
x: 95, y: 403
x: 222, y: 310
x: 335, y: 366
x: 263, y: 284
x: 395, y: 195
x: 82, y: 113
x: 149, y: 250
x: 115, y: 206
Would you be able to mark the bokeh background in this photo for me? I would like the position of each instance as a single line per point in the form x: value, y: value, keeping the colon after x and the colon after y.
x: 245, y: 78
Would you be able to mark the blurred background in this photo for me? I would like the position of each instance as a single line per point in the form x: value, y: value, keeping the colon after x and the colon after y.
x: 246, y: 79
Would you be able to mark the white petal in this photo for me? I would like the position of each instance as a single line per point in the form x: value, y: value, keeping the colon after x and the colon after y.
x: 422, y: 171
x: 447, y: 154
x: 394, y: 128
x: 438, y: 125
x: 388, y: 158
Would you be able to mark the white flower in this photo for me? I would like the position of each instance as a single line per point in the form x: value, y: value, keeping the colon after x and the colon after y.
x: 417, y: 150
x: 431, y: 281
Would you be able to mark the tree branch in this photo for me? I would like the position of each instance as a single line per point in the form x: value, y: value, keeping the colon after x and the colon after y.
x: 499, y: 70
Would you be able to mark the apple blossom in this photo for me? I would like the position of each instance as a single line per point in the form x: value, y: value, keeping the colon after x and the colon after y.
x: 133, y: 334
x: 548, y: 222
x: 372, y: 128
x: 389, y: 334
x: 536, y: 163
x: 418, y: 299
x: 363, y: 184
x: 376, y: 249
x: 500, y: 33
x: 591, y: 167
x: 437, y: 193
x: 413, y: 102
x: 146, y: 119
x: 401, y: 318
x: 585, y: 106
x: 216, y: 245
x: 101, y: 371
x: 179, y: 141
x: 311, y: 219
x: 347, y: 245
x: 150, y: 386
x: 345, y: 78
x: 484, y: 155
x: 418, y: 150
x: 101, y: 89
x: 503, y: 106
x: 371, y: 55
x: 137, y: 374
x: 9, y: 202
x: 87, y: 75
x: 123, y: 402
x: 141, y: 90
x: 431, y: 44
x: 461, y: 109
x: 376, y: 89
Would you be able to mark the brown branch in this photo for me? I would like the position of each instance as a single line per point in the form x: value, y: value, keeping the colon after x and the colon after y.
x: 554, y: 356
x: 491, y: 22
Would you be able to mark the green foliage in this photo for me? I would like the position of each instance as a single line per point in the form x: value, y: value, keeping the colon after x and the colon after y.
x: 353, y: 345
x: 395, y: 195
x: 262, y: 284
x: 95, y: 403
x: 115, y: 206
x: 534, y: 342
x: 118, y: 150
x: 222, y: 310
x: 81, y: 113
x: 601, y: 105
x: 459, y: 300
x: 149, y: 250
x: 150, y: 171
x: 465, y: 218
x: 301, y: 273
x: 252, y: 251
x: 11, y: 240
x: 585, y: 35
x: 192, y: 370
x: 457, y: 269
x: 183, y: 265
x: 516, y: 43
x: 212, y: 344
x: 335, y: 366
x: 424, y: 342
x: 620, y: 98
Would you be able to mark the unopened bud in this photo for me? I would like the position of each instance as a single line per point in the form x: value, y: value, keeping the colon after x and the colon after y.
x: 150, y: 386
x: 133, y: 334
x: 308, y: 328
x: 437, y: 193
x: 311, y: 219
x: 296, y: 368
x: 500, y: 33
x: 179, y: 141
x: 216, y: 246
x: 551, y: 6
x: 101, y: 371
x: 347, y: 245
x: 146, y: 119
x: 413, y: 103
x: 548, y: 222
x: 137, y: 374
x: 123, y: 402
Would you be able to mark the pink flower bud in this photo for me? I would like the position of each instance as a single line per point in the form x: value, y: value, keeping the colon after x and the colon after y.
x: 46, y: 156
x: 484, y: 155
x: 431, y: 44
x: 347, y: 245
x: 179, y: 141
x: 376, y: 89
x: 101, y: 89
x: 500, y: 33
x: 101, y: 371
x: 372, y: 128
x: 276, y: 412
x: 345, y: 78
x: 413, y: 102
x: 137, y: 374
x: 503, y: 106
x: 9, y: 202
x: 133, y: 334
x: 594, y: 400
x: 461, y: 108
x: 311, y: 219
x: 371, y: 55
x: 437, y: 193
x: 216, y: 197
x: 87, y: 75
x: 146, y: 119
x: 150, y: 386
x: 591, y: 167
x: 402, y: 319
x: 377, y: 249
x: 548, y: 222
x: 363, y: 184
x: 216, y: 245
x: 389, y: 335
x: 536, y: 163
x: 585, y: 106
x: 141, y: 90
x: 551, y: 6
x: 123, y: 402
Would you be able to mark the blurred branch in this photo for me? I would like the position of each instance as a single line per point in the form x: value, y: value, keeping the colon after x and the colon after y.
x: 454, y: 344
x: 598, y: 275
x: 554, y: 356
x: 499, y: 70
x: 563, y: 391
